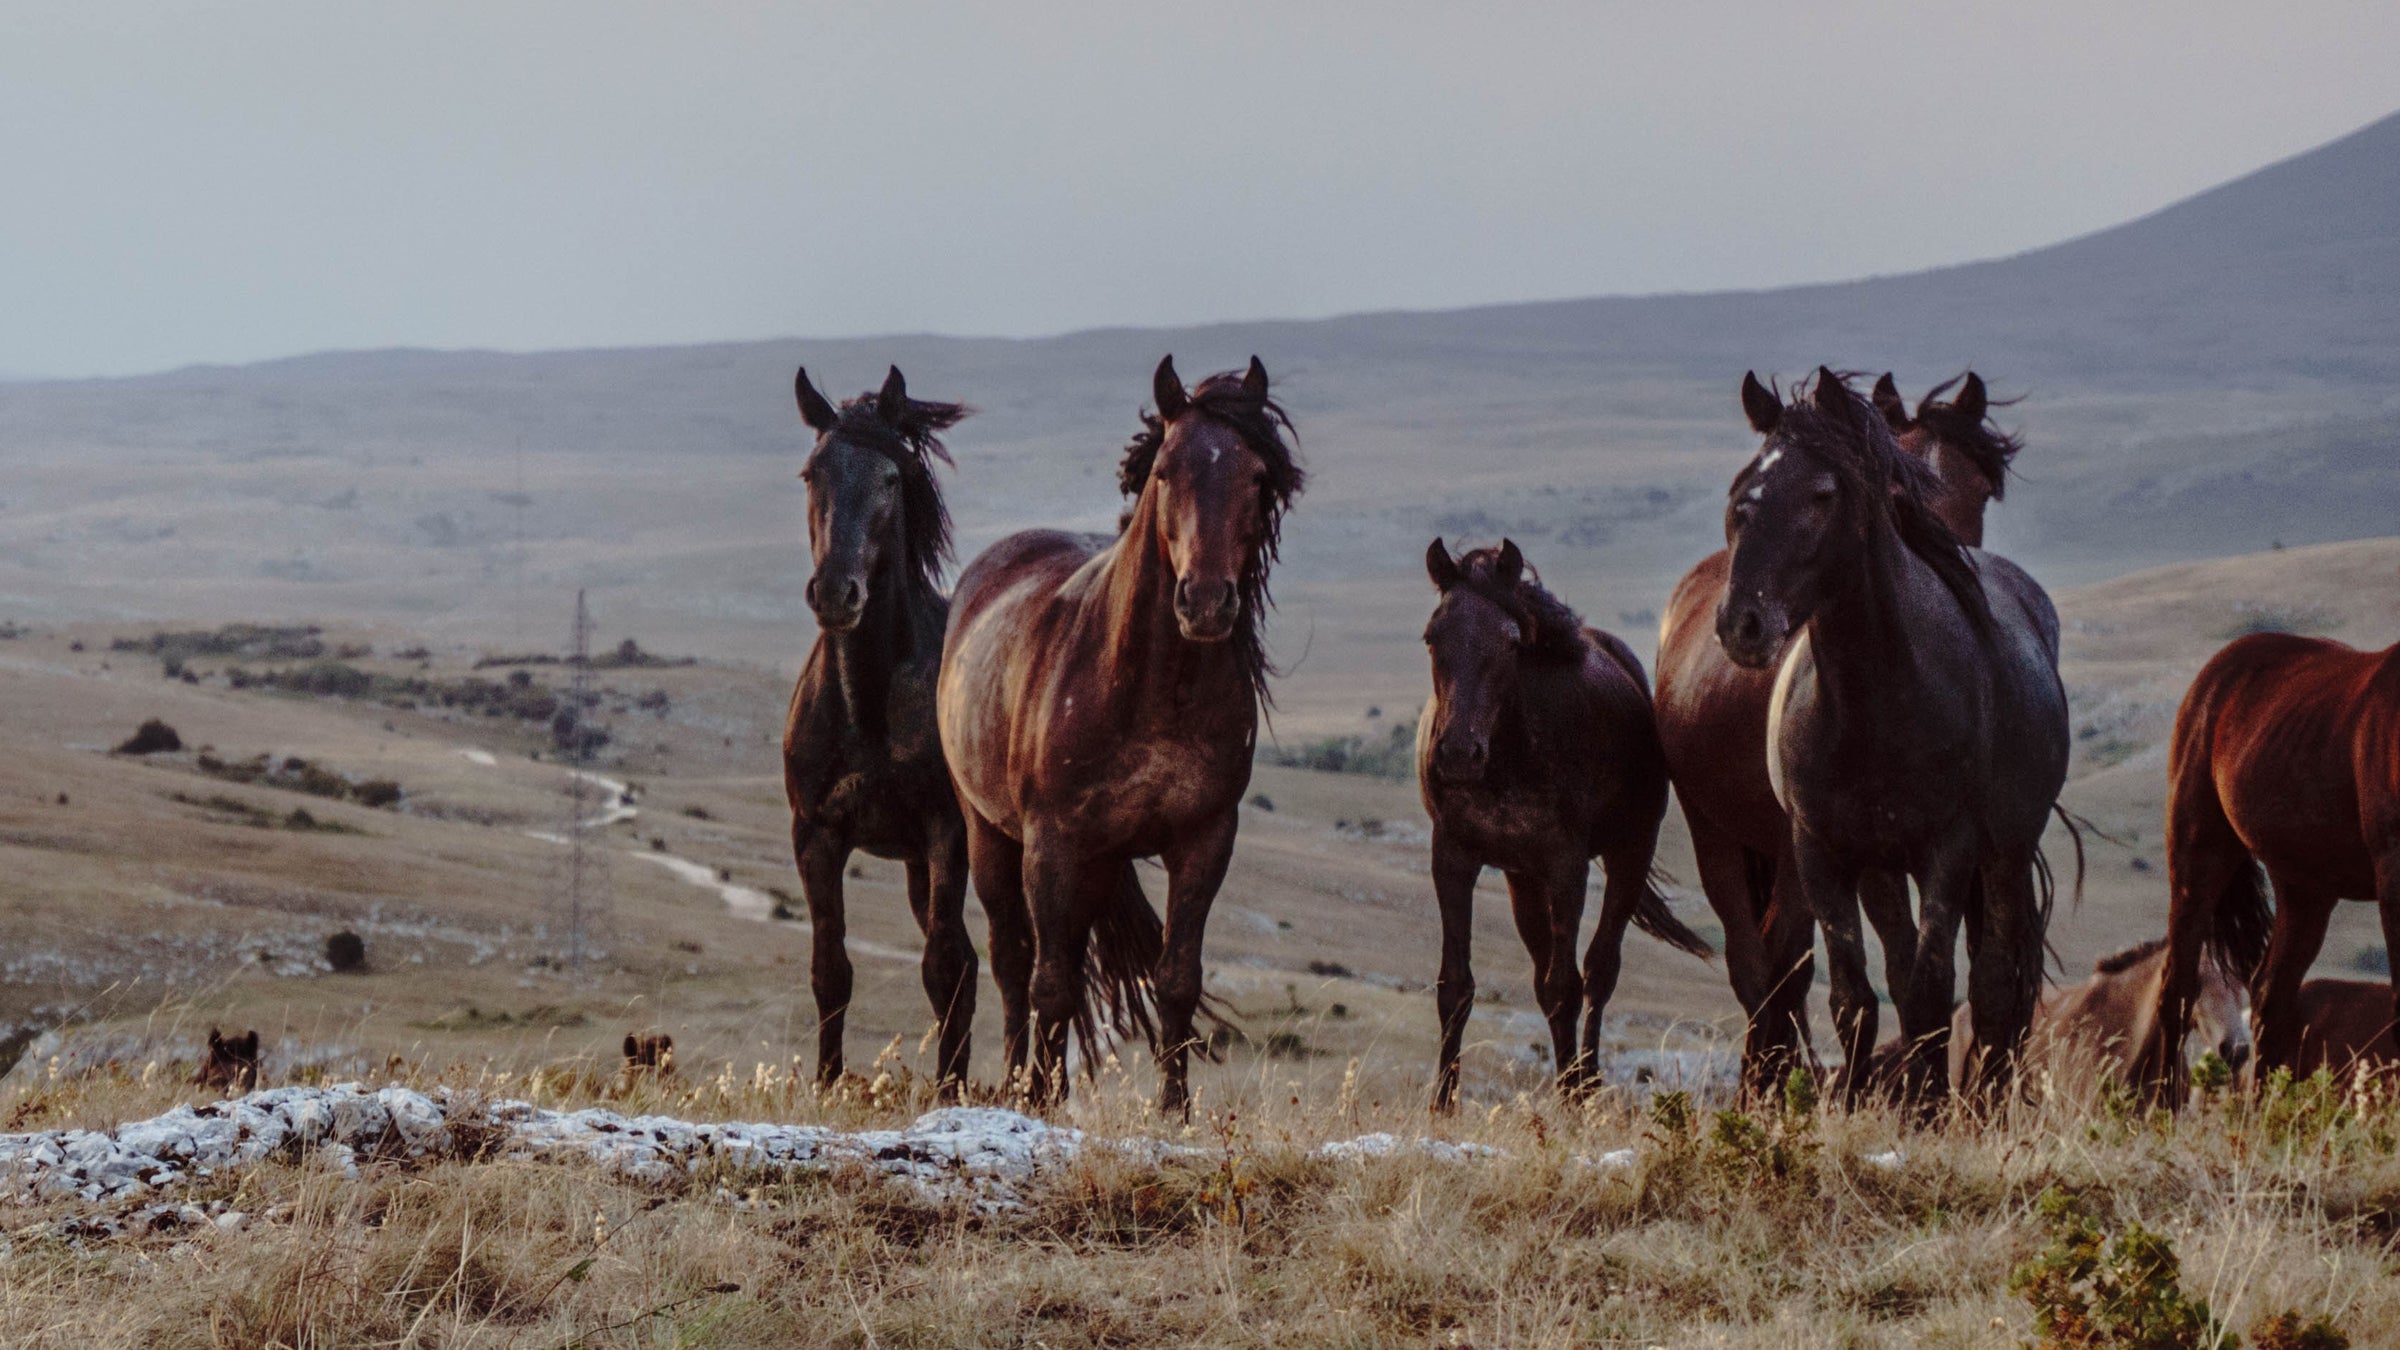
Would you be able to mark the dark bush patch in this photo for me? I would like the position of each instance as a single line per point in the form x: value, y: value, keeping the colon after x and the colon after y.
x: 152, y: 738
x: 346, y: 952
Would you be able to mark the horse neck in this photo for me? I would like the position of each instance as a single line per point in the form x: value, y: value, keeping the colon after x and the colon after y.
x: 1964, y: 494
x: 885, y: 640
x: 1147, y: 664
x: 1858, y: 637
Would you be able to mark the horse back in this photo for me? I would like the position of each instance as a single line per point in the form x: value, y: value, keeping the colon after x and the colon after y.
x: 2298, y: 740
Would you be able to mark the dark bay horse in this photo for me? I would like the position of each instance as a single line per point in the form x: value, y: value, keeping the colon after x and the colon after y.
x: 1712, y: 719
x: 1537, y: 753
x: 862, y: 765
x: 2344, y: 1024
x: 2285, y: 759
x: 1099, y: 703
x: 1917, y: 725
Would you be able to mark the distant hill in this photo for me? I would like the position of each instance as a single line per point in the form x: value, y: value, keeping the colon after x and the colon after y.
x: 2209, y: 379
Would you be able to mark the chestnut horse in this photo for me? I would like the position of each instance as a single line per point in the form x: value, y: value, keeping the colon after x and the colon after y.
x: 1712, y: 719
x: 1099, y: 703
x: 2344, y: 1024
x: 1536, y: 754
x: 2105, y: 1021
x: 2286, y: 759
x: 862, y: 765
x: 1917, y: 725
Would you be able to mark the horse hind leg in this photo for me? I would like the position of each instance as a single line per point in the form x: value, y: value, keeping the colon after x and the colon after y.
x: 997, y: 864
x: 2004, y: 973
x: 1628, y: 882
x: 2301, y: 914
x: 1728, y: 877
x: 1534, y: 901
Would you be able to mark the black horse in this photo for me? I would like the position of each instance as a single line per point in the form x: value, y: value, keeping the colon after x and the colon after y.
x: 862, y: 762
x: 1918, y: 725
x: 1537, y: 753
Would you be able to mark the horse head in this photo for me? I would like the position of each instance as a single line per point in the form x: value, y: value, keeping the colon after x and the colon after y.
x: 1212, y: 475
x: 1477, y: 637
x: 873, y: 505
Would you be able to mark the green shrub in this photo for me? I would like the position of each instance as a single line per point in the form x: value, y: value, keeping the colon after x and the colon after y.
x: 2090, y: 1291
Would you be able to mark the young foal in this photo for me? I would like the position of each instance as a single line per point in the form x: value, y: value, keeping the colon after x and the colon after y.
x: 2105, y: 1021
x: 1537, y: 753
x: 1099, y: 703
x: 862, y: 766
x: 1712, y: 719
x: 2286, y: 757
x: 1917, y: 726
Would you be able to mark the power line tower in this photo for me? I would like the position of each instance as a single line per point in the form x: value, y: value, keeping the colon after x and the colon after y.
x: 592, y: 802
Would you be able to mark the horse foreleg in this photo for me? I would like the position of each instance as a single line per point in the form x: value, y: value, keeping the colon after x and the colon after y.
x: 1548, y: 919
x: 1054, y: 887
x: 1884, y: 897
x: 1832, y: 890
x: 2004, y: 970
x: 1725, y: 878
x: 821, y: 858
x: 1928, y: 979
x: 1195, y: 870
x: 998, y: 865
x: 2387, y: 904
x: 1789, y: 941
x: 1454, y: 874
x: 2300, y: 918
x: 937, y: 892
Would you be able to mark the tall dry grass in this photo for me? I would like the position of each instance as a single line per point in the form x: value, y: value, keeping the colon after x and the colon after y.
x: 1781, y: 1226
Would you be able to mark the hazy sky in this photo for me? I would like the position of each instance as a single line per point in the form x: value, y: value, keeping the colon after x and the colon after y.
x: 224, y: 182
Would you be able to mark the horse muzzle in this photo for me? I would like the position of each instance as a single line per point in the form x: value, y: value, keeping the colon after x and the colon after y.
x: 1751, y: 633
x: 838, y: 607
x: 1206, y: 611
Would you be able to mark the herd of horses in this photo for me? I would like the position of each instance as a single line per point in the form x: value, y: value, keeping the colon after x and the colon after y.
x: 1857, y: 707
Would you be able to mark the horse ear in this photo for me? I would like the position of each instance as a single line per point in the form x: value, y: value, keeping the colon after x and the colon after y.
x: 892, y: 402
x: 1830, y: 395
x: 1440, y: 566
x: 1509, y: 568
x: 1888, y: 402
x: 215, y: 1039
x: 814, y: 409
x: 1972, y: 400
x: 1166, y: 390
x: 1254, y: 380
x: 1760, y: 404
x: 632, y: 1046
x: 250, y: 1044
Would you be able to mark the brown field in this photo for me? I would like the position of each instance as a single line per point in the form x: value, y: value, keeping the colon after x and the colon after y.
x: 144, y: 901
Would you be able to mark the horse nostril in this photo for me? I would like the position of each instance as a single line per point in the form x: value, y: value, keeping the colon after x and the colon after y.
x: 850, y: 595
x: 1747, y: 627
x: 811, y: 592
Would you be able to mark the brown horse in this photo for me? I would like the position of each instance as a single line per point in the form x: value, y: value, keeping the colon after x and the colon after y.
x: 1712, y: 719
x: 2105, y: 1021
x: 2344, y: 1024
x: 1917, y: 726
x: 862, y: 765
x: 1536, y: 754
x: 2286, y: 758
x: 1099, y: 703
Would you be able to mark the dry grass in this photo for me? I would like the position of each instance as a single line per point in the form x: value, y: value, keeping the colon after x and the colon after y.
x: 1770, y: 1229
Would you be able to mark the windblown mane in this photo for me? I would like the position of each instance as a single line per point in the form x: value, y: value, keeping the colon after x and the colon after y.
x: 1855, y: 443
x: 1262, y: 425
x: 913, y: 445
x: 1980, y: 439
x: 1557, y: 630
x: 2116, y: 962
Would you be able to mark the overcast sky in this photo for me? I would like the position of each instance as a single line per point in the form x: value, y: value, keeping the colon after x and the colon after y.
x: 189, y: 182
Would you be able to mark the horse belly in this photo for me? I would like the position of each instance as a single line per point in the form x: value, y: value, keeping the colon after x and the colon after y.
x: 2294, y: 800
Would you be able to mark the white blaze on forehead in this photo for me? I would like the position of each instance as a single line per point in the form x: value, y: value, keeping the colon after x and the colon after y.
x: 1757, y: 490
x: 1767, y: 461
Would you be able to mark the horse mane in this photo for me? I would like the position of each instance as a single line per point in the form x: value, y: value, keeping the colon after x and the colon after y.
x: 912, y: 442
x: 1980, y: 439
x: 1854, y: 441
x: 1262, y: 425
x: 2117, y: 962
x: 1557, y: 630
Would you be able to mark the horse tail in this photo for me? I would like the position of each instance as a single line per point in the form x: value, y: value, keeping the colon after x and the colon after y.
x: 1120, y: 974
x: 1651, y: 915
